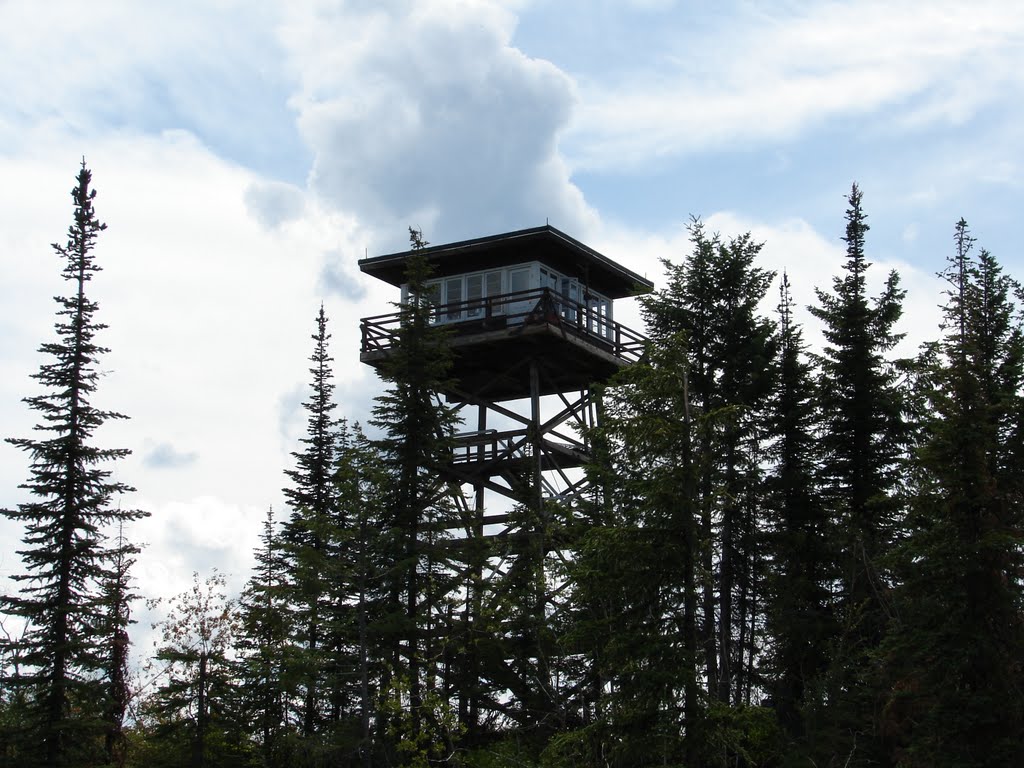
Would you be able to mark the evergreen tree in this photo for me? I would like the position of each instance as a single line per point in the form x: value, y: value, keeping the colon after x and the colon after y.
x: 307, y: 536
x: 415, y: 443
x: 261, y: 645
x: 635, y: 573
x: 117, y: 596
x: 953, y: 660
x: 799, y: 612
x: 864, y: 442
x: 712, y: 298
x: 351, y: 610
x: 66, y: 557
x: 360, y: 562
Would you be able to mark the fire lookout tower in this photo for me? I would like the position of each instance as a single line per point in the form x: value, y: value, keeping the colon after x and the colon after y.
x: 532, y: 329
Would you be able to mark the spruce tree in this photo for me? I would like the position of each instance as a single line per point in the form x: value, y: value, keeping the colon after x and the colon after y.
x: 635, y: 571
x: 864, y: 441
x: 416, y: 434
x: 308, y: 533
x: 712, y: 299
x: 799, y: 610
x: 73, y: 509
x: 955, y: 690
x: 261, y: 647
x: 360, y: 561
x: 117, y: 597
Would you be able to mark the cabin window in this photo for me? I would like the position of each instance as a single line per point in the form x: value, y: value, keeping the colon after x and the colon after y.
x: 570, y: 289
x: 519, y: 279
x: 464, y: 297
x: 468, y: 297
x: 492, y: 283
x: 474, y: 294
x: 548, y: 279
x: 453, y: 298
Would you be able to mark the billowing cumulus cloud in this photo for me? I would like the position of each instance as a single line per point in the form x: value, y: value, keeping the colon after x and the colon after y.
x: 425, y: 114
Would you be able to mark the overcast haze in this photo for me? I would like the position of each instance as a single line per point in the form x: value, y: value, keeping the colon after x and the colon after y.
x: 247, y: 154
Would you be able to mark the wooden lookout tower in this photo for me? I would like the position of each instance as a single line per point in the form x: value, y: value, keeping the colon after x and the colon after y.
x: 532, y: 329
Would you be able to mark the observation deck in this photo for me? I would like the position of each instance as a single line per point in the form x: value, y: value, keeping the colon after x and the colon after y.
x: 494, y: 338
x: 536, y: 299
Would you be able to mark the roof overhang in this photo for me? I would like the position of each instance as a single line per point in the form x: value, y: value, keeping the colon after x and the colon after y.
x: 545, y: 244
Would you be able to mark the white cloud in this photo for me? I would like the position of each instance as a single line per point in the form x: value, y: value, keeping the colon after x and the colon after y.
x: 768, y: 75
x: 274, y: 203
x: 424, y: 114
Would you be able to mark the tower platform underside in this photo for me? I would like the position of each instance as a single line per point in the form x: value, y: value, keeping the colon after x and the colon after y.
x: 495, y: 362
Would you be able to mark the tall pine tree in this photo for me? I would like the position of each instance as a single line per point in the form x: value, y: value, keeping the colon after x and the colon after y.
x: 864, y: 442
x: 67, y: 522
x: 799, y: 609
x: 634, y: 575
x: 953, y: 661
x: 416, y: 441
x: 262, y: 648
x: 307, y: 535
x: 712, y: 300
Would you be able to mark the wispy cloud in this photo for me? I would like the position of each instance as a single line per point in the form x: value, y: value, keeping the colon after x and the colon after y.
x: 770, y: 75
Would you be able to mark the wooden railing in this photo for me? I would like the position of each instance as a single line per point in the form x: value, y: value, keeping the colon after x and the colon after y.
x: 491, y: 445
x: 509, y: 310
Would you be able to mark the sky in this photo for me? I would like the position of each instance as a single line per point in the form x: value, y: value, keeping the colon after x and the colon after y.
x: 247, y: 153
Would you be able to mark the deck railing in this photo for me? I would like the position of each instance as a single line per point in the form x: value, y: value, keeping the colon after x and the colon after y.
x: 489, y: 445
x: 509, y: 310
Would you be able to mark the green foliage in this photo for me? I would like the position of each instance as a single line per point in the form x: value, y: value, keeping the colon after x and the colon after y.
x: 742, y: 736
x: 70, y: 613
x: 416, y: 438
x: 635, y: 573
x: 423, y: 737
x: 711, y: 303
x: 580, y: 747
x: 193, y: 717
x: 510, y: 752
x: 952, y: 662
x: 262, y: 646
x: 308, y: 542
x: 799, y: 611
x: 864, y: 441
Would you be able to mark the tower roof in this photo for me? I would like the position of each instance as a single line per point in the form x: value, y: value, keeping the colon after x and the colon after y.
x: 544, y: 244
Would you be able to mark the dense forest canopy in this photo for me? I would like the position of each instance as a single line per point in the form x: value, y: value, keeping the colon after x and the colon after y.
x: 783, y: 558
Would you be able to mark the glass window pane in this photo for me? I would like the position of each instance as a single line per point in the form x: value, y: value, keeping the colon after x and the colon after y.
x: 474, y: 294
x: 453, y: 297
x: 493, y: 288
x: 519, y: 279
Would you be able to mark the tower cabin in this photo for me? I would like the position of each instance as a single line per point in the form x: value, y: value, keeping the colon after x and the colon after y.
x: 516, y: 303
